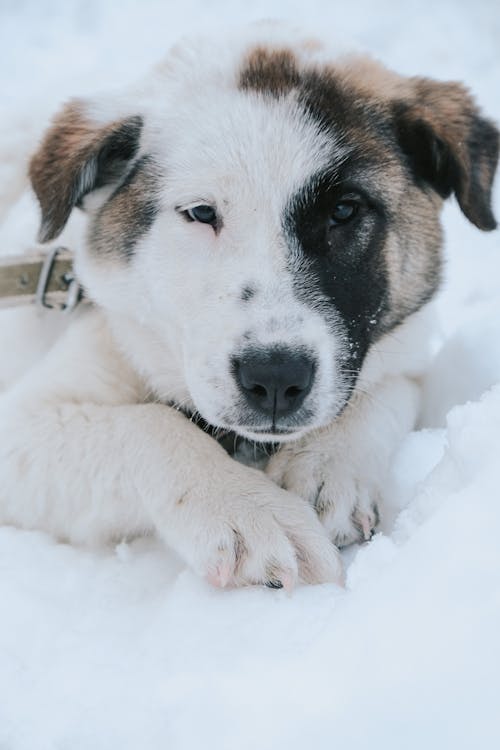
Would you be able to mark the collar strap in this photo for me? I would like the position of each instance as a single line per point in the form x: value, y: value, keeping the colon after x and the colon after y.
x: 44, y: 279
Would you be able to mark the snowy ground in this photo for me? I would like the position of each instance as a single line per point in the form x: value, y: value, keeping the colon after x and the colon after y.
x: 123, y: 648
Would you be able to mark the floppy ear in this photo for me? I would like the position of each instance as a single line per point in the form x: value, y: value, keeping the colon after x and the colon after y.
x: 449, y: 145
x: 76, y: 156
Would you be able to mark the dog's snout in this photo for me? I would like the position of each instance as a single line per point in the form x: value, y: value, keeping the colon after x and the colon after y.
x: 275, y: 382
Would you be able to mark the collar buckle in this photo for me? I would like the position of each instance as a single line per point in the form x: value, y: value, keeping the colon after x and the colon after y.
x: 68, y: 283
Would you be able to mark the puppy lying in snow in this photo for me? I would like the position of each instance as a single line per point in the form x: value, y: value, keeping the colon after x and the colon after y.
x: 263, y: 238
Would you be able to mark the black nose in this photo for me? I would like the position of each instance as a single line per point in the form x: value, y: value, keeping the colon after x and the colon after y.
x: 274, y: 381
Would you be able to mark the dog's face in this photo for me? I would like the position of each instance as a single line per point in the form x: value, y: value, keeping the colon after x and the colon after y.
x: 265, y: 222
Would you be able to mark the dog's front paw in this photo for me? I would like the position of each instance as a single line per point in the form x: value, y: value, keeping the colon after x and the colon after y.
x: 246, y: 530
x: 337, y: 484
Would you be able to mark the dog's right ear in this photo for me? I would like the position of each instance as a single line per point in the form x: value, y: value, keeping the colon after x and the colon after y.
x: 76, y: 156
x: 450, y: 145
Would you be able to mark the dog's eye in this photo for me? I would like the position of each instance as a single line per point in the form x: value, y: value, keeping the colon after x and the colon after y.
x: 204, y: 214
x: 343, y: 212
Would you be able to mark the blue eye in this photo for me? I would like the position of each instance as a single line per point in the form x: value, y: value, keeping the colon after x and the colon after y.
x: 343, y: 212
x: 203, y: 214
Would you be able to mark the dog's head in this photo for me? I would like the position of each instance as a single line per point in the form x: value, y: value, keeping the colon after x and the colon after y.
x: 263, y: 220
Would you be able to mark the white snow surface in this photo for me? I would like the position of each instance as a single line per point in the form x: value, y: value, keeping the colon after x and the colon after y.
x: 125, y: 649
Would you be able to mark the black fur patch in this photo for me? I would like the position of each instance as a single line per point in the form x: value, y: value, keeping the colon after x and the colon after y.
x: 343, y: 269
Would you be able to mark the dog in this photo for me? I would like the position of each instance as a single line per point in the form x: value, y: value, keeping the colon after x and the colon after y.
x: 262, y: 245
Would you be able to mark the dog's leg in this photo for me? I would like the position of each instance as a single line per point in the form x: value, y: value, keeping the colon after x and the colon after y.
x: 340, y: 469
x: 80, y: 458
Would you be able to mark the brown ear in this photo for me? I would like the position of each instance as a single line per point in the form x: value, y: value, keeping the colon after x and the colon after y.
x: 76, y: 156
x: 449, y: 145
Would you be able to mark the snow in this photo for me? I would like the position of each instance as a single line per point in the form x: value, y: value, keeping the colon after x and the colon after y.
x: 124, y: 648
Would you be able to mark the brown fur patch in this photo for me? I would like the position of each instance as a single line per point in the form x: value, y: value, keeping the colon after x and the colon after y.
x: 128, y: 213
x: 370, y: 78
x: 267, y: 71
x: 75, y: 156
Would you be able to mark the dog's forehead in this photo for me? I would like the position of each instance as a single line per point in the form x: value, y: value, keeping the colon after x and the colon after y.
x: 274, y: 121
x: 244, y: 139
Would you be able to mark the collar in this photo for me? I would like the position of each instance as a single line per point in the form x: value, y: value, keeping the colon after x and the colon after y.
x: 242, y: 449
x: 44, y: 279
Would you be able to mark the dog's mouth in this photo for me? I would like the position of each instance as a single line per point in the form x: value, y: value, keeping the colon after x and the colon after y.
x: 270, y: 434
x: 232, y: 437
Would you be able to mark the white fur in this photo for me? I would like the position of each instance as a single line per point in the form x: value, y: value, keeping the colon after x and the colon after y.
x: 84, y: 456
x: 90, y: 451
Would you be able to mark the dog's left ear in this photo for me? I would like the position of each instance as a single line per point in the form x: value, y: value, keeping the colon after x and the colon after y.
x: 450, y: 146
x: 78, y: 155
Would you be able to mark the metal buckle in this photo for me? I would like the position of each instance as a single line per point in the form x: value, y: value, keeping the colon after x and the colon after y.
x: 73, y: 288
